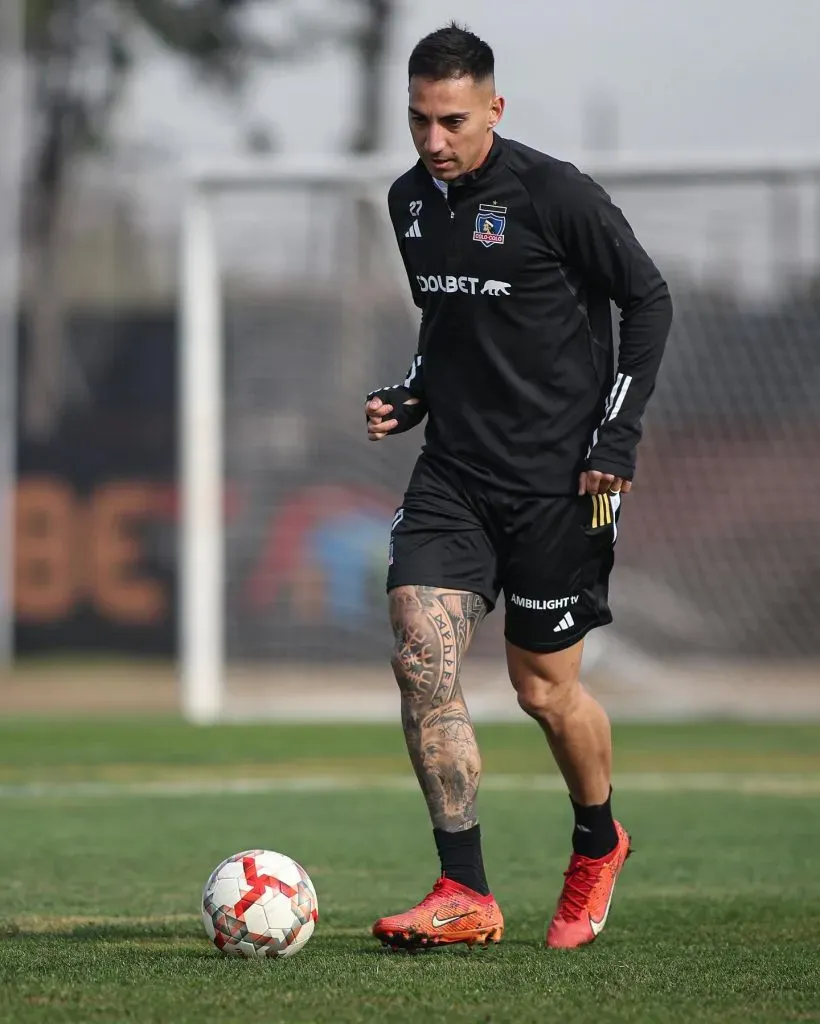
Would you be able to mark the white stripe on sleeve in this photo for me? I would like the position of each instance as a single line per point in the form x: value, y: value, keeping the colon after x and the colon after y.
x: 408, y: 380
x: 616, y: 408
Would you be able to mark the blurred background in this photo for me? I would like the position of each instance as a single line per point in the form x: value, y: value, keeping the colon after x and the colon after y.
x: 147, y: 139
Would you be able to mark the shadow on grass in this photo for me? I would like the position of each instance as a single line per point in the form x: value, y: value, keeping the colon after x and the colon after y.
x: 189, y: 941
x: 128, y: 931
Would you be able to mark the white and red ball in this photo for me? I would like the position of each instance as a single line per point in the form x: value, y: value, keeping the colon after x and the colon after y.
x: 259, y: 904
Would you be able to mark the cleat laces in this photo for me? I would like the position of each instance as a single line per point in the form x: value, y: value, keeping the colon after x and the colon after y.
x: 579, y: 881
x: 434, y: 894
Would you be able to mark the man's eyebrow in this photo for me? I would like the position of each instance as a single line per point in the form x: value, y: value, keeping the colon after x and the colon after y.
x: 446, y: 117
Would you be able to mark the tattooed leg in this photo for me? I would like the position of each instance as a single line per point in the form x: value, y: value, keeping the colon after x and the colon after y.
x: 432, y: 630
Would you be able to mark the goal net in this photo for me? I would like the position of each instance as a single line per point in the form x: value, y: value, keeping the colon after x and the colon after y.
x: 294, y: 304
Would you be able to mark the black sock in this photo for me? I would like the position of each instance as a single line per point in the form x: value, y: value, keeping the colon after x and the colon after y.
x: 461, y: 860
x: 594, y: 834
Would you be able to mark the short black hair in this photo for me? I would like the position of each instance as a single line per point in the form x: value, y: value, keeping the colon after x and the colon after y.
x: 452, y: 52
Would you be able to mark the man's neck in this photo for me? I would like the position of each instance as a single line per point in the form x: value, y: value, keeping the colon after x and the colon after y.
x: 484, y: 154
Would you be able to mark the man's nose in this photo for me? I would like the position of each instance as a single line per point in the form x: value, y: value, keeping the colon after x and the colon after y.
x: 436, y: 139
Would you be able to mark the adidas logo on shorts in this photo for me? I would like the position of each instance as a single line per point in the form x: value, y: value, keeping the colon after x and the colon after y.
x: 565, y: 623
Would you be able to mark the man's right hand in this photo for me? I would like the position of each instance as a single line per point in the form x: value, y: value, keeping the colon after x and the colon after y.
x: 380, y: 422
x: 377, y: 425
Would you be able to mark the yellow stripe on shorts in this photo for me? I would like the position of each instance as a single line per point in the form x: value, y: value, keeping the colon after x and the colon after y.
x: 601, y: 510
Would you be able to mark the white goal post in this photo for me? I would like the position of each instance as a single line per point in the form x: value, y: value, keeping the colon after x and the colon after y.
x: 201, y: 592
x: 14, y: 104
x: 782, y: 194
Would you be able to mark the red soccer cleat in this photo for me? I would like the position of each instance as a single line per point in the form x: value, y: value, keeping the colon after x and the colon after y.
x: 450, y: 913
x: 587, y: 896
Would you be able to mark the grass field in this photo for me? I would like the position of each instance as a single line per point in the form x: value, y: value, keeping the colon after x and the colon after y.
x: 109, y: 830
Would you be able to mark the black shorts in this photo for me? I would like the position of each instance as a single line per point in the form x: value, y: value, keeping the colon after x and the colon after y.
x: 552, y: 556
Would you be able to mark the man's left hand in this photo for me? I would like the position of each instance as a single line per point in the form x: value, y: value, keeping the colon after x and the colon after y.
x: 593, y: 482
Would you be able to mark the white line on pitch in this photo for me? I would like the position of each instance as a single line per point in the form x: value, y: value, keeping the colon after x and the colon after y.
x: 659, y: 782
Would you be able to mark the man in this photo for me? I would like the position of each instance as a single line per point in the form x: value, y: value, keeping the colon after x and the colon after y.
x: 513, y: 257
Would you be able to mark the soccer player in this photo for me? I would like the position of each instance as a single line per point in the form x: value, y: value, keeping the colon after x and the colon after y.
x: 513, y: 257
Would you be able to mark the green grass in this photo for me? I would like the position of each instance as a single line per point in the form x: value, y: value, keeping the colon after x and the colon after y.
x: 716, y: 918
x: 31, y: 749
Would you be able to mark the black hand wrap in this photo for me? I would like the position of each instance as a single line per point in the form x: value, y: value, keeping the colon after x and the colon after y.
x: 408, y: 416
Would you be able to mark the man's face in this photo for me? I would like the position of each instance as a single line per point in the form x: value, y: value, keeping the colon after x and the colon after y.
x: 451, y: 122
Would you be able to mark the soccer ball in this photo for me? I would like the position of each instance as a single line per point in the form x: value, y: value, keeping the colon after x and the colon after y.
x: 259, y: 904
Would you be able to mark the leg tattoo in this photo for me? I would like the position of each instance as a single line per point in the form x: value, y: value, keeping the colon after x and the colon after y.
x: 432, y: 630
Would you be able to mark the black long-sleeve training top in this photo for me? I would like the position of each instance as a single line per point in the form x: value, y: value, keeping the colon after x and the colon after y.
x: 513, y: 267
